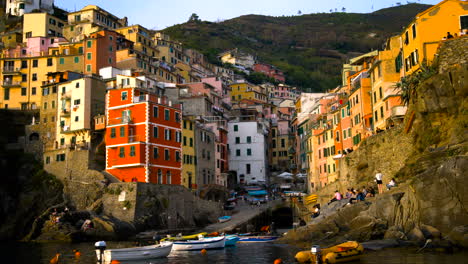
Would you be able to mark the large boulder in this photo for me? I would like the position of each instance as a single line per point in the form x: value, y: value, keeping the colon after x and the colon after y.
x: 394, y: 233
x: 416, y: 235
x: 430, y: 232
x: 459, y: 236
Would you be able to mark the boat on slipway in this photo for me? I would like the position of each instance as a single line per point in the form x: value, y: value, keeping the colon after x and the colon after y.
x: 104, y: 255
x: 223, y: 219
x: 257, y: 239
x: 201, y: 243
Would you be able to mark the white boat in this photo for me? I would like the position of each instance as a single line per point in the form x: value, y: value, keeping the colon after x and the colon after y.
x: 202, y: 243
x: 161, y: 250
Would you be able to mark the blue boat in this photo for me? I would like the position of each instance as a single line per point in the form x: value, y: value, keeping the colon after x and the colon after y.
x: 231, y: 240
x: 257, y: 239
x: 223, y: 219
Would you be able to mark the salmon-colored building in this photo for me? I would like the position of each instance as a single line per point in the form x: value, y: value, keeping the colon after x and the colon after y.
x: 143, y: 137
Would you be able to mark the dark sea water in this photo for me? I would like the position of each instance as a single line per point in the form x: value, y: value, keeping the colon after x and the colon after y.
x: 242, y: 253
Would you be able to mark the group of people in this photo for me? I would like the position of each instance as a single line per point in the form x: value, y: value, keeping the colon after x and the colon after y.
x: 56, y: 216
x: 463, y: 32
x: 356, y: 195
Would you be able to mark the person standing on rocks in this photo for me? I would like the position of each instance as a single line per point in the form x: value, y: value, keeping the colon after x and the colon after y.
x: 378, y: 179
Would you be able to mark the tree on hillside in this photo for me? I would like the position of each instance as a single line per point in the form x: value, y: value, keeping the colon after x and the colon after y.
x: 343, y: 9
x: 299, y: 12
x: 194, y: 18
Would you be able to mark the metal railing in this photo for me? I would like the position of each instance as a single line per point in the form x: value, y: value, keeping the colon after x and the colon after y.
x: 10, y: 83
x: 11, y: 69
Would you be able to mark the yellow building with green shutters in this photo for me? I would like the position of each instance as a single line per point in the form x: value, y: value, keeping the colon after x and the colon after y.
x: 189, y: 159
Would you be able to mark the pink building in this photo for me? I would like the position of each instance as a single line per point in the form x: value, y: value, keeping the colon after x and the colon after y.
x: 36, y: 46
x: 269, y: 70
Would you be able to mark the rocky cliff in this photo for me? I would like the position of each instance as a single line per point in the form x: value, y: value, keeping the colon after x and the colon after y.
x: 428, y: 158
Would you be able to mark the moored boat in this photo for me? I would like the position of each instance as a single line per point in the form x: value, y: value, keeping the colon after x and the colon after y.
x: 202, y: 243
x: 223, y: 219
x: 188, y: 237
x: 231, y: 240
x: 345, y: 252
x: 257, y: 239
x: 135, y: 253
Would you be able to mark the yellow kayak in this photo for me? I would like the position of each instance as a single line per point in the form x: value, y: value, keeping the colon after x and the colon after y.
x: 189, y: 237
x: 344, y: 252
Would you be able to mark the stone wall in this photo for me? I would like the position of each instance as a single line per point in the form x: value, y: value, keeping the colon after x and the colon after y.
x: 82, y: 185
x: 158, y: 206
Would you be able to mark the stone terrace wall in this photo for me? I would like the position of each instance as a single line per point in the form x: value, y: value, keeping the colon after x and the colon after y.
x: 158, y: 206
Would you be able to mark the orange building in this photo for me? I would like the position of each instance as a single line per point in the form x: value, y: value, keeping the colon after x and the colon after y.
x: 143, y: 137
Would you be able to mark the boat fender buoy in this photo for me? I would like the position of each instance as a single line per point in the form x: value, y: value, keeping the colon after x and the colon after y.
x: 115, y: 262
x: 278, y: 261
x: 77, y: 254
x: 203, y: 251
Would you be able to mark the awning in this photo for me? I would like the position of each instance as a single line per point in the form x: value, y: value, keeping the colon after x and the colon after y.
x: 256, y: 193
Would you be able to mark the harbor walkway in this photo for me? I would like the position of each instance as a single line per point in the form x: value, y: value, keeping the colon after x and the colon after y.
x: 244, y: 214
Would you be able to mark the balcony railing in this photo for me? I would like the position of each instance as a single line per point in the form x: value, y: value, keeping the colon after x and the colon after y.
x: 11, y: 84
x: 11, y: 69
x: 136, y: 138
x: 120, y: 120
x: 65, y: 112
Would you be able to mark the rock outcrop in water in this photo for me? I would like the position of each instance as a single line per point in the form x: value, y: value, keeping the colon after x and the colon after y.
x: 427, y: 157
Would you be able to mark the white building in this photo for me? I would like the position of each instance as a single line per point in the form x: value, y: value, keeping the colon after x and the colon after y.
x: 248, y: 150
x: 21, y: 7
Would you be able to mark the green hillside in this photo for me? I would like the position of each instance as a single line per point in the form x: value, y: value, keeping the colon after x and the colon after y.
x: 309, y: 48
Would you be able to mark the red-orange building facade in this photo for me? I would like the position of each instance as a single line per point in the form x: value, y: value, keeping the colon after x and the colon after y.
x: 143, y: 137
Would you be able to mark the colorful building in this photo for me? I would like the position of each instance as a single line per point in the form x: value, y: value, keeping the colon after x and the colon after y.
x: 422, y: 37
x: 189, y: 162
x: 386, y: 100
x: 143, y: 137
x: 90, y: 19
x: 42, y: 25
x: 19, y: 8
x: 244, y: 90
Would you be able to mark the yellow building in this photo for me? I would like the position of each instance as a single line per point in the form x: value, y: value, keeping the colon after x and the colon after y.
x: 423, y: 35
x: 42, y: 25
x: 79, y: 101
x: 11, y: 39
x: 189, y: 153
x: 141, y: 38
x: 169, y: 51
x: 88, y: 20
x: 245, y: 90
x: 22, y: 77
x: 386, y: 100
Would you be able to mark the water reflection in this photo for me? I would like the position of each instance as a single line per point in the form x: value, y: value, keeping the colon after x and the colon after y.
x: 261, y: 253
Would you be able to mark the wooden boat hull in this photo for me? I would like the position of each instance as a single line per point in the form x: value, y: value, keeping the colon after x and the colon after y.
x: 257, y: 239
x: 231, y: 241
x: 345, y: 252
x: 204, y: 243
x: 137, y: 253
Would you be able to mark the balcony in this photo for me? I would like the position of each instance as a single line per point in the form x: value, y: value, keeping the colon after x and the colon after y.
x: 65, y: 113
x: 125, y: 120
x: 136, y: 138
x: 8, y: 84
x: 399, y: 111
x: 10, y: 70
